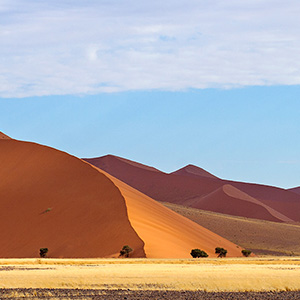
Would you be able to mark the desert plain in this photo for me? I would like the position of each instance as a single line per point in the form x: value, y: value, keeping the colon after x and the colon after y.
x: 85, y: 210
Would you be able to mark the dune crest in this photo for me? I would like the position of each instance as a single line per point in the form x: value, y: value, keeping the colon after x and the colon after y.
x: 191, y: 184
x: 165, y: 233
x: 4, y: 136
x: 191, y: 170
x: 51, y: 199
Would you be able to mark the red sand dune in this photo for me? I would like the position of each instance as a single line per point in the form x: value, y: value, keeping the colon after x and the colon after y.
x: 229, y: 200
x: 51, y: 199
x: 86, y: 217
x: 193, y: 171
x: 190, y: 183
x: 295, y: 190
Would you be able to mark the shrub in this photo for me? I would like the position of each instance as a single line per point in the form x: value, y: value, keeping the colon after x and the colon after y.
x: 246, y: 253
x: 125, y: 251
x: 43, y: 252
x: 198, y: 253
x: 221, y: 251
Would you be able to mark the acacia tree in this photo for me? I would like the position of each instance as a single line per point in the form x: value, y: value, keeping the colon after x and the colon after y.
x: 125, y: 251
x: 246, y: 253
x: 221, y: 251
x: 198, y: 253
x: 43, y: 252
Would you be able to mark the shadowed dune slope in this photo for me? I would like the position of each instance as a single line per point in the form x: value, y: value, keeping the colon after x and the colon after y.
x: 165, y: 233
x: 51, y: 199
x: 229, y: 200
x: 191, y: 183
x: 156, y: 185
x: 295, y: 190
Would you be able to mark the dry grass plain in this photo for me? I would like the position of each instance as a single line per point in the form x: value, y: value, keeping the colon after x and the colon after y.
x: 262, y: 237
x: 210, y: 274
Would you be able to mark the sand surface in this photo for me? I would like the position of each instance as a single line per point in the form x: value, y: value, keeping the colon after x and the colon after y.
x: 262, y: 237
x: 167, y: 234
x: 54, y: 200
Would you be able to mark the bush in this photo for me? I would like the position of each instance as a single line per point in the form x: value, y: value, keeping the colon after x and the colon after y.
x: 43, y: 252
x: 125, y: 251
x: 246, y: 253
x: 221, y: 251
x: 198, y: 253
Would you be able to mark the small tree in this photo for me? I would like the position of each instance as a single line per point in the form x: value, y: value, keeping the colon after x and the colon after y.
x: 246, y: 253
x: 198, y: 253
x: 43, y: 252
x: 221, y: 251
x: 125, y: 251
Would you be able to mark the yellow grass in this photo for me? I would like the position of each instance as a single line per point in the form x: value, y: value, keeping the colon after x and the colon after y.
x: 242, y: 274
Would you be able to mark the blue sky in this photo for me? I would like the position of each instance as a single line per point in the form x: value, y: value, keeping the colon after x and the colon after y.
x: 216, y: 83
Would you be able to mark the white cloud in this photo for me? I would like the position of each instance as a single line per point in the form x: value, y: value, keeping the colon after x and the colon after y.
x: 79, y: 47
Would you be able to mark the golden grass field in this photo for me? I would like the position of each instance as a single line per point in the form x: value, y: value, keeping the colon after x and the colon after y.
x: 209, y: 274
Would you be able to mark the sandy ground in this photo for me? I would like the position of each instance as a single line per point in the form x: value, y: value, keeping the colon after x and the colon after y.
x: 64, y: 294
x: 210, y: 275
x: 262, y: 237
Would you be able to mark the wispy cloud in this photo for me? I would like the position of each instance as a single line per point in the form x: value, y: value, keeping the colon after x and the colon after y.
x: 87, y: 47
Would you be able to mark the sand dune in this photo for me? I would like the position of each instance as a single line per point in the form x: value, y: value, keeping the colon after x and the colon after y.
x: 51, y: 199
x: 194, y: 171
x: 167, y: 234
x: 295, y: 190
x: 3, y: 136
x: 229, y: 200
x: 191, y: 183
x: 260, y: 236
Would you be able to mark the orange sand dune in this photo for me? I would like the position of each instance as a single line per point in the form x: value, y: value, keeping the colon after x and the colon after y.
x: 165, y: 233
x: 51, y: 199
x: 3, y: 136
x: 229, y: 200
x: 190, y: 183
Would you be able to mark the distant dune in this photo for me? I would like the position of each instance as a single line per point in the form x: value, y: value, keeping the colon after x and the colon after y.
x: 51, y: 199
x: 193, y: 186
x: 295, y: 190
x: 262, y: 237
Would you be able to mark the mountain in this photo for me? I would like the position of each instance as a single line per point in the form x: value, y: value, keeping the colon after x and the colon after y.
x: 194, y: 187
x: 50, y: 199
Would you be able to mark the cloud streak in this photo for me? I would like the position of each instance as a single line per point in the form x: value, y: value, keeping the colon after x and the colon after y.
x: 89, y: 47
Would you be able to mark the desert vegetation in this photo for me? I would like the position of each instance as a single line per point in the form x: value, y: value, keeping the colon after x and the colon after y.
x: 246, y: 253
x: 221, y: 252
x: 195, y: 253
x: 126, y: 250
x: 43, y: 252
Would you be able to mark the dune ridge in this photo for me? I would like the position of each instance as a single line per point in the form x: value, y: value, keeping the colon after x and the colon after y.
x: 4, y: 136
x: 167, y: 234
x: 190, y: 184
